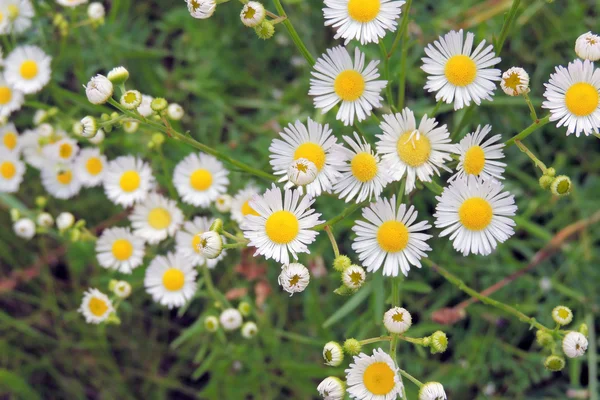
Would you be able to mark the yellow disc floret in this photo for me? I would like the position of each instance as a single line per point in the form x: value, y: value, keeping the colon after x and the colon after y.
x: 201, y: 179
x: 392, y: 236
x: 7, y: 170
x: 173, y: 279
x: 29, y: 69
x: 130, y: 181
x: 582, y: 99
x: 364, y: 167
x: 475, y: 214
x: 349, y: 85
x: 379, y: 379
x: 474, y: 160
x: 122, y: 249
x: 364, y: 10
x: 282, y: 227
x: 460, y: 70
x: 413, y: 151
x: 312, y: 152
x: 159, y: 218
x: 97, y: 306
x: 94, y: 166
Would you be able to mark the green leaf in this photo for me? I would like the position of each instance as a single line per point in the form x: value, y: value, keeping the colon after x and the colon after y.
x: 16, y: 386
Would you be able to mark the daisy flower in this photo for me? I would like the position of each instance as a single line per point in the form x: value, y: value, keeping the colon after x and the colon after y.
x: 122, y: 289
x: 223, y: 203
x: 373, y: 377
x: 127, y: 180
x: 145, y: 107
x: 18, y: 15
x: 574, y: 344
x: 411, y: 151
x: 60, y: 180
x: 397, y: 320
x: 587, y: 47
x: 120, y: 250
x: 90, y: 166
x: 283, y: 225
x: 389, y: 237
x: 479, y: 157
x: 515, y: 81
x: 432, y: 391
x: 332, y: 388
x: 458, y: 73
x: 201, y: 9
x: 32, y: 148
x: 63, y: 150
x: 249, y: 330
x: 9, y: 139
x: 24, y: 228
x: 562, y: 315
x: 28, y: 67
x: 315, y: 143
x: 364, y: 20
x: 240, y: 204
x: 156, y: 218
x: 294, y: 278
x: 573, y: 97
x: 96, y: 307
x: 11, y: 99
x: 333, y: 354
x: 354, y: 277
x: 170, y: 280
x: 363, y: 176
x: 475, y: 213
x: 188, y: 238
x: 200, y: 179
x: 11, y: 172
x: 336, y: 78
x: 231, y: 319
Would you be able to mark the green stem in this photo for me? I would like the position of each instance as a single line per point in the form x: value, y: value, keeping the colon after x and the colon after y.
x: 375, y: 340
x: 436, y: 109
x: 402, y: 79
x: 340, y: 217
x: 532, y: 112
x: 463, y: 122
x: 411, y: 378
x: 510, y: 18
x: 403, y: 27
x: 166, y: 173
x: 394, y: 341
x: 386, y: 75
x: 336, y: 250
x: 234, y: 237
x: 529, y: 130
x: 214, y: 293
x: 293, y: 34
x: 401, y: 191
x: 592, y: 358
x: 538, y: 163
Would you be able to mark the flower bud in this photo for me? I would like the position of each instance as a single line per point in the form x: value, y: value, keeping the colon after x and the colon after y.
x: 252, y: 14
x: 583, y: 329
x: 223, y: 203
x: 217, y: 225
x: 574, y: 344
x: 24, y: 228
x: 265, y: 30
x: 90, y: 126
x: 554, y: 363
x: 294, y: 278
x: 249, y: 330
x: 98, y: 137
x: 302, y: 172
x: 544, y: 339
x: 41, y: 201
x: 354, y: 277
x: 397, y: 320
x: 230, y: 319
x: 14, y: 214
x: 587, y: 47
x: 131, y: 99
x: 562, y: 315
x: 201, y: 9
x: 45, y: 220
x: 551, y: 172
x: 333, y: 354
x: 118, y: 75
x: 244, y: 307
x: 158, y: 138
x: 175, y: 111
x: 64, y: 221
x: 352, y: 347
x: 439, y: 342
x: 131, y: 126
x: 210, y: 245
x: 159, y: 104
x: 432, y: 391
x: 96, y: 12
x: 122, y: 289
x: 515, y: 81
x: 545, y: 181
x: 211, y: 323
x: 332, y: 388
x: 561, y: 186
x: 341, y: 263
x: 99, y: 90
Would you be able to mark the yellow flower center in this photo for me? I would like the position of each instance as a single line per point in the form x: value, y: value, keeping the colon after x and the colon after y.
x: 29, y: 69
x: 398, y: 317
x: 294, y: 280
x: 312, y: 152
x: 159, y: 218
x: 460, y: 70
x: 64, y: 177
x: 130, y: 181
x: 130, y: 97
x: 5, y: 95
x: 349, y: 85
x: 563, y: 186
x: 196, y: 242
x: 392, y: 236
x: 282, y: 227
x: 364, y: 10
x: 355, y: 278
x: 65, y: 150
x: 512, y: 81
x: 413, y: 151
x: 173, y: 279
x: 474, y: 160
x: 94, y: 165
x: 97, y: 306
x: 248, y: 210
x: 249, y: 13
x: 201, y: 179
x: 10, y: 140
x: 582, y: 99
x: 378, y: 378
x: 563, y: 313
x: 13, y: 11
x: 122, y: 249
x: 364, y: 167
x: 475, y: 213
x: 8, y: 170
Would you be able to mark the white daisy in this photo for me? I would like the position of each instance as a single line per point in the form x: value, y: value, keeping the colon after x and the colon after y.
x: 11, y: 172
x: 223, y: 203
x: 187, y: 240
x: 240, y: 204
x: 397, y: 320
x: 45, y: 220
x: 63, y: 150
x: 253, y: 14
x: 390, y: 237
x: 145, y: 108
x: 249, y: 330
x: 364, y: 20
x: 96, y: 307
x: 284, y: 224
x: 11, y: 99
x: 24, y: 228
x: 122, y: 289
x: 28, y: 68
x: 199, y: 179
x: 120, y: 250
x: 231, y: 319
x: 562, y: 315
x: 458, y: 73
x: 515, y: 81
x: 10, y: 141
x: 411, y: 151
x: 573, y: 97
x: 201, y: 9
x: 475, y: 213
x: 373, y: 377
x: 333, y: 354
x: 302, y: 172
x: 337, y: 79
x: 587, y: 47
x: 18, y: 14
x: 99, y: 89
x: 332, y: 388
x: 60, y: 180
x: 294, y: 278
x: 353, y: 277
x: 71, y: 3
x: 170, y: 280
x: 156, y: 218
x: 64, y: 221
x: 480, y: 158
x: 90, y: 166
x: 127, y: 180
x: 574, y: 344
x: 432, y: 391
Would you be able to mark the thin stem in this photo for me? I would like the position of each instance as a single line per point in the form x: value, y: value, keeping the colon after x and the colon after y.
x: 375, y: 340
x: 402, y: 78
x: 336, y: 250
x: 510, y: 18
x: 411, y: 378
x: 403, y: 27
x: 529, y: 130
x: 538, y: 163
x: 166, y: 173
x: 463, y: 122
x: 214, y: 293
x: 592, y: 358
x: 386, y: 75
x: 394, y: 341
x: 401, y: 191
x: 340, y: 217
x: 294, y: 35
x: 234, y: 238
x: 532, y: 112
x: 436, y: 109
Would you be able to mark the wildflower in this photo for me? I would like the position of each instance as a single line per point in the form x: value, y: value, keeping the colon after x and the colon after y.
x: 480, y: 158
x: 122, y: 289
x: 252, y: 14
x: 515, y: 81
x: 187, y: 242
x: 127, y: 180
x: 64, y: 221
x: 223, y: 203
x: 12, y: 170
x: 231, y: 319
x: 11, y: 99
x: 60, y: 181
x: 561, y: 186
x: 156, y: 218
x: 159, y: 104
x: 341, y: 263
x: 9, y: 139
x: 211, y: 323
x: 439, y: 342
x: 333, y: 354
x: 99, y: 90
x: 62, y: 150
x: 98, y: 137
x: 302, y: 172
x: 96, y: 12
x: 352, y: 347
x: 587, y: 47
x: 20, y: 13
x: 353, y: 277
x: 96, y: 307
x: 245, y: 308
x: 574, y: 344
x: 249, y: 330
x: 130, y: 126
x: 175, y: 111
x: 90, y: 165
x: 118, y: 75
x: 120, y: 250
x: 562, y: 315
x: 373, y: 377
x: 544, y: 338
x: 201, y: 9
x: 432, y: 391
x: 45, y: 220
x: 145, y: 107
x: 265, y: 30
x: 24, y: 228
x: 240, y: 204
x: 397, y: 320
x: 90, y: 126
x: 294, y: 278
x: 210, y: 245
x: 170, y: 280
x: 131, y: 99
x: 199, y: 179
x: 554, y: 363
x: 332, y: 388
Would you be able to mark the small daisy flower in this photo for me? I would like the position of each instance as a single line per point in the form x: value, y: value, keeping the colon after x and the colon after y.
x: 96, y: 307
x: 117, y: 75
x: 63, y: 150
x: 210, y: 245
x: 302, y: 172
x: 211, y: 323
x: 45, y: 220
x: 332, y: 388
x: 24, y: 228
x: 18, y: 14
x: 223, y: 203
x: 156, y: 218
x: 96, y: 11
x: 574, y: 344
x: 397, y: 320
x: 458, y: 73
x: 562, y: 315
x: 122, y: 289
x: 90, y: 166
x: 131, y: 99
x: 99, y: 89
x: 199, y: 179
x: 131, y: 126
x: 353, y: 277
x: 201, y: 9
x: 411, y: 151
x: 587, y: 47
x: 11, y: 172
x: 333, y: 354
x: 432, y: 391
x: 252, y: 14
x: 249, y: 330
x: 294, y: 278
x: 475, y: 214
x: 32, y: 149
x: 9, y: 139
x: 120, y: 250
x: 28, y: 68
x: 390, y: 237
x: 97, y: 138
x: 240, y: 204
x: 573, y: 97
x: 90, y: 126
x: 373, y: 377
x: 230, y: 319
x: 145, y: 107
x: 127, y: 180
x: 11, y: 99
x: 64, y: 221
x: 364, y: 20
x: 283, y: 226
x: 515, y: 81
x: 175, y: 111
x: 60, y: 180
x: 315, y: 143
x: 170, y: 280
x: 188, y: 238
x: 480, y: 158
x: 438, y: 342
x: 336, y: 78
x: 71, y: 3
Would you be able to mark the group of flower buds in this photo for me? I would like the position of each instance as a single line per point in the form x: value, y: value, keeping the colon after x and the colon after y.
x: 333, y: 352
x: 353, y: 276
x: 232, y: 319
x: 559, y: 185
x: 254, y: 15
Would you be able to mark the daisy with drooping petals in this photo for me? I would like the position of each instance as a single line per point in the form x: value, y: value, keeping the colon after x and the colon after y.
x: 389, y: 237
x: 587, y: 47
x: 120, y: 250
x: 28, y: 67
x: 515, y: 81
x: 458, y: 73
x: 18, y: 15
x: 373, y: 377
x: 201, y: 9
x: 364, y: 20
x: 240, y: 204
x: 170, y: 280
x: 573, y: 97
x: 332, y: 388
x: 200, y: 179
x: 90, y: 166
x: 283, y: 225
x: 187, y: 241
x: 63, y: 150
x: 96, y: 307
x: 9, y: 139
x: 416, y: 152
x: 156, y: 218
x: 11, y: 171
x: 574, y: 344
x: 315, y: 143
x: 336, y: 78
x: 432, y: 391
x: 480, y: 158
x: 127, y: 180
x: 475, y: 213
x: 60, y: 180
x: 11, y: 99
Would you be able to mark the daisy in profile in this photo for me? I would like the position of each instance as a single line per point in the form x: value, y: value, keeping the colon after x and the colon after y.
x: 63, y: 150
x: 127, y: 180
x: 120, y: 250
x: 96, y: 307
x: 170, y: 280
x: 11, y: 99
x: 475, y: 213
x: 156, y: 218
x: 363, y: 174
x: 28, y: 67
x: 336, y: 78
x: 18, y: 14
x: 199, y: 179
x: 240, y: 204
x: 9, y: 139
x: 573, y: 97
x: 587, y: 47
x: 364, y: 20
x: 90, y: 165
x: 60, y: 180
x: 458, y: 73
x: 315, y: 143
x: 201, y: 9
x: 432, y: 391
x: 390, y: 237
x: 11, y: 172
x: 187, y: 241
x: 479, y: 157
x: 373, y: 377
x: 411, y: 151
x: 283, y: 225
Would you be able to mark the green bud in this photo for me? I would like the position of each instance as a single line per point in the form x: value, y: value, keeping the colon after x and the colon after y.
x: 545, y: 182
x: 159, y: 104
x: 118, y: 75
x: 352, y: 347
x: 551, y: 172
x: 112, y: 284
x: 211, y: 323
x: 245, y: 308
x: 158, y: 138
x: 341, y: 263
x: 554, y: 363
x: 15, y: 214
x: 41, y: 201
x: 217, y: 226
x: 113, y: 319
x: 583, y: 329
x: 79, y: 224
x: 265, y: 30
x: 74, y: 235
x: 544, y: 339
x: 344, y: 291
x: 439, y: 342
x: 561, y: 186
x: 105, y: 117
